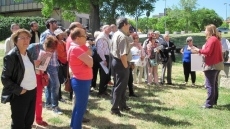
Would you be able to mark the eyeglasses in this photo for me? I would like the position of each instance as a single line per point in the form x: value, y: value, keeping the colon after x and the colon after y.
x: 189, y: 41
x: 24, y: 38
x: 136, y: 38
x: 83, y: 36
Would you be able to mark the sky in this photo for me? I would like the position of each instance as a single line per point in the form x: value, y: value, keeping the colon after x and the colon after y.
x: 217, y: 5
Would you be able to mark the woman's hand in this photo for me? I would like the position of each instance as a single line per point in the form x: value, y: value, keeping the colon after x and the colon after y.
x: 23, y: 91
x: 142, y: 58
x: 195, y: 50
x: 37, y: 63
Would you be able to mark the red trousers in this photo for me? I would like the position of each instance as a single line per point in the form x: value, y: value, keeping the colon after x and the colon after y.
x: 38, y: 109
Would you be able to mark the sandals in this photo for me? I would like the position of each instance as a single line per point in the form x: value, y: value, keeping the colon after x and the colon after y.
x: 42, y: 123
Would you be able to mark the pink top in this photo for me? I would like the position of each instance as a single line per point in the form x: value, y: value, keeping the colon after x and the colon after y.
x: 68, y: 41
x: 150, y: 47
x: 212, y: 51
x: 79, y: 68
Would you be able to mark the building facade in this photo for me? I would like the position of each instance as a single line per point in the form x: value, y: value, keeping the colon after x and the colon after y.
x: 30, y: 8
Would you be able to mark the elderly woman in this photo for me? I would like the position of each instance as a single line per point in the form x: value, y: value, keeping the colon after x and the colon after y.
x: 80, y: 63
x: 138, y: 51
x: 186, y: 51
x: 19, y: 81
x: 213, y: 63
x: 49, y: 45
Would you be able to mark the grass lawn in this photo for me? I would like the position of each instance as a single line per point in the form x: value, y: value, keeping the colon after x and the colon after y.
x: 164, y: 107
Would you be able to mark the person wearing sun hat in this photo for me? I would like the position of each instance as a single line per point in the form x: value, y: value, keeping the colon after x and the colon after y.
x: 62, y: 59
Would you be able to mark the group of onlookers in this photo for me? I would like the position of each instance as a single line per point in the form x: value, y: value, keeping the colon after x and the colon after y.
x: 115, y: 52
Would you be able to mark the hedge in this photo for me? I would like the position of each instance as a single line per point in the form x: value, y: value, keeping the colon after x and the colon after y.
x: 24, y: 22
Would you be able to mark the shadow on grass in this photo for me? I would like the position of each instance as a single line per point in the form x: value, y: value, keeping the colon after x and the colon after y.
x: 223, y: 107
x: 104, y: 123
x: 164, y: 120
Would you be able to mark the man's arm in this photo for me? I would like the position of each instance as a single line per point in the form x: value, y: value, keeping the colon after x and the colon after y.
x: 124, y: 61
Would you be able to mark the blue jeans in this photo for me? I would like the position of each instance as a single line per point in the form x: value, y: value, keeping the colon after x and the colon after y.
x: 52, y: 90
x: 81, y: 90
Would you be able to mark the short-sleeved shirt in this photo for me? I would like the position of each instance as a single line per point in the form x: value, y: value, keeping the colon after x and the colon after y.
x: 79, y: 69
x: 120, y: 45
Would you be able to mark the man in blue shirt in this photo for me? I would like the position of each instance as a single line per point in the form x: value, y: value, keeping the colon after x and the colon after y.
x: 52, y: 90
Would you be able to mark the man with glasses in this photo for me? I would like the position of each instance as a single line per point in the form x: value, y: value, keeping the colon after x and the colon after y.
x: 120, y: 50
x: 9, y: 44
x: 52, y: 90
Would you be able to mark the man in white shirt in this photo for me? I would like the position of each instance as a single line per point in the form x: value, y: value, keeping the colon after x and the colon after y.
x: 102, y: 44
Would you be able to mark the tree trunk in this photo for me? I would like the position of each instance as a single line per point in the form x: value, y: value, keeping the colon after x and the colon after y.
x: 94, y: 17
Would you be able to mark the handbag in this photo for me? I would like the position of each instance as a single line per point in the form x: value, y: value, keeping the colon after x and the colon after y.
x: 67, y: 84
x: 153, y: 62
x: 45, y: 79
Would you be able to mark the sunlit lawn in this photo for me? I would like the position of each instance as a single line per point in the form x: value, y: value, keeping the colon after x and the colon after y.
x: 164, y: 107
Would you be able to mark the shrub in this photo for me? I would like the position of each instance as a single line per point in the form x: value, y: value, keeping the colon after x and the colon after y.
x: 24, y: 22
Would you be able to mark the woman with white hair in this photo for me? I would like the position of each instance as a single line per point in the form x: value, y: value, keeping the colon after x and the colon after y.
x: 186, y: 59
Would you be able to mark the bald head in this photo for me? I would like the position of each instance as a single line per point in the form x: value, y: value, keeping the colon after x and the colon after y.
x: 106, y: 29
x: 74, y: 25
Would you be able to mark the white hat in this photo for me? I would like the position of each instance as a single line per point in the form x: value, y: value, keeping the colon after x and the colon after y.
x: 58, y: 31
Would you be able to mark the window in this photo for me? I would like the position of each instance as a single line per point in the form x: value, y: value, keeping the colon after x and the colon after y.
x: 80, y: 20
x: 87, y: 22
x: 11, y: 2
x: 28, y: 1
x: 3, y: 2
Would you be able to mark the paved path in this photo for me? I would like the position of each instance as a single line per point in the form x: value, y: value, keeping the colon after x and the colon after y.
x: 2, y: 45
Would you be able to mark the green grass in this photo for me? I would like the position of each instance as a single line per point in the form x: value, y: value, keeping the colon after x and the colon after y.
x: 165, y: 107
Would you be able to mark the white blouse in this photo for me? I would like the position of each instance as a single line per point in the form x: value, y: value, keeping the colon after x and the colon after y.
x: 29, y: 81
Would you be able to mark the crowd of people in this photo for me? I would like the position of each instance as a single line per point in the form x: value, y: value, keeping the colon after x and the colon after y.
x: 115, y: 52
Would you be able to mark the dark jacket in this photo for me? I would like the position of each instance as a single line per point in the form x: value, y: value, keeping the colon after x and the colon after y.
x: 169, y: 49
x: 12, y: 73
x: 33, y: 36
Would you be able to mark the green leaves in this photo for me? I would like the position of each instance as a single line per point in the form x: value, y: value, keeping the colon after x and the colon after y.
x: 5, y: 23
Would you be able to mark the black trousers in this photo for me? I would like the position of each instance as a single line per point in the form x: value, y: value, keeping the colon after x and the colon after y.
x: 130, y: 82
x: 23, y: 110
x: 121, y: 77
x: 96, y: 67
x: 216, y: 89
x: 104, y: 78
x: 62, y: 75
x: 187, y: 71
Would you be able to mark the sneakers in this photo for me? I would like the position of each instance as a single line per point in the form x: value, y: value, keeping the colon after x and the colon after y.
x: 185, y: 83
x: 57, y: 110
x: 48, y: 106
x: 193, y: 84
x: 85, y: 120
x: 62, y: 100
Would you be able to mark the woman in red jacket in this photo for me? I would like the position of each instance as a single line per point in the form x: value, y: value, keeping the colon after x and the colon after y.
x: 213, y: 63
